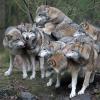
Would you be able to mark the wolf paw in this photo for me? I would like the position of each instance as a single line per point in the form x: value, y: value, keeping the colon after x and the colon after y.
x: 49, y: 83
x: 29, y: 68
x: 57, y: 85
x: 7, y: 73
x: 25, y: 76
x: 48, y: 74
x: 80, y: 92
x: 73, y: 94
x: 42, y: 76
x: 70, y: 85
x: 32, y: 77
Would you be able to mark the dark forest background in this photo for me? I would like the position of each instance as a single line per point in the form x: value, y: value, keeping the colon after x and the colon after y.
x: 13, y: 12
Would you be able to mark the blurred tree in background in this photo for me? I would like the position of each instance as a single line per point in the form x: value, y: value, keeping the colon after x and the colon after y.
x: 13, y: 12
x: 18, y: 11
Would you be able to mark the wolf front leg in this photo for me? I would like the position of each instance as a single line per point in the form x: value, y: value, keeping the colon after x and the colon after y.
x: 24, y: 65
x: 50, y: 82
x: 74, y: 82
x: 33, y: 67
x: 9, y: 71
x: 28, y: 64
x: 85, y: 83
x: 57, y: 81
x: 42, y: 67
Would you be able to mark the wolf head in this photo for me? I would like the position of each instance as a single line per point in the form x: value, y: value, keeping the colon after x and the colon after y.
x: 13, y: 38
x: 74, y: 55
x: 42, y: 15
x: 89, y: 29
x: 47, y: 13
x: 45, y: 53
x: 28, y: 36
x: 57, y: 61
x: 51, y: 48
x: 79, y: 51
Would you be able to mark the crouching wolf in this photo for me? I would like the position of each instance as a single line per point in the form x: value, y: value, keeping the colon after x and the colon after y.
x: 54, y: 20
x: 15, y: 44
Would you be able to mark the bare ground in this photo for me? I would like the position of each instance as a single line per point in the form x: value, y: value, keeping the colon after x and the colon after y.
x: 38, y: 88
x: 11, y: 88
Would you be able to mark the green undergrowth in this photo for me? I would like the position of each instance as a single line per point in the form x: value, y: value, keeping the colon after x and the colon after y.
x: 4, y: 58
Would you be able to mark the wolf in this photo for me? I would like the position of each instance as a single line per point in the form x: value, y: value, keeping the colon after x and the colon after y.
x: 61, y: 24
x: 36, y: 41
x: 78, y: 51
x: 86, y: 56
x: 91, y: 30
x: 15, y: 44
x: 94, y: 33
x: 78, y: 57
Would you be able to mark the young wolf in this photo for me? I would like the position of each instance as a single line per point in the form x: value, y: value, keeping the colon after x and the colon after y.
x: 91, y: 30
x: 61, y: 24
x: 14, y: 42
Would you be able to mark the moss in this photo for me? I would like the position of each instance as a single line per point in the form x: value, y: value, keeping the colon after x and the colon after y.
x: 4, y: 58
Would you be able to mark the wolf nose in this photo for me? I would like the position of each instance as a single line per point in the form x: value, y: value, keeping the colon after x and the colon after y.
x: 27, y: 38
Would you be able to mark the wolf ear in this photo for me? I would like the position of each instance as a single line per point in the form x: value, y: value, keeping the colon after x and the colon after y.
x: 86, y: 25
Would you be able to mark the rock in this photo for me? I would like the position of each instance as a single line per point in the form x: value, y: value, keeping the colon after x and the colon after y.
x: 82, y: 97
x: 28, y: 96
x: 62, y: 98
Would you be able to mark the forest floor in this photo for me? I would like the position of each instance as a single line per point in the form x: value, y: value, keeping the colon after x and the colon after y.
x: 15, y: 88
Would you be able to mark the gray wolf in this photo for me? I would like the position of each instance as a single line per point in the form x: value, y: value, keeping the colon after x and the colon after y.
x: 79, y: 53
x: 74, y: 62
x: 15, y: 44
x: 86, y: 56
x: 61, y: 24
x: 36, y: 41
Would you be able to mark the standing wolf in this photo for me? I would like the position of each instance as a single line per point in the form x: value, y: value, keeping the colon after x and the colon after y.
x: 74, y: 57
x: 61, y: 24
x: 36, y: 40
x: 14, y: 42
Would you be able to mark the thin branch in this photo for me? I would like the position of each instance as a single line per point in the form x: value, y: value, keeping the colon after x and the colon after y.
x: 85, y: 11
x: 70, y: 11
x: 46, y: 3
x: 28, y: 12
x: 35, y: 3
x: 20, y: 6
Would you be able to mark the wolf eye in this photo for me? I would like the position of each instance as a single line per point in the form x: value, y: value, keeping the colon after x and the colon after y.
x: 17, y: 39
x: 9, y: 37
x: 40, y: 14
x: 72, y: 50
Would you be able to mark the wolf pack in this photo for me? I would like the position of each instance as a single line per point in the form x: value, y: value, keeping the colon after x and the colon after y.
x: 60, y: 43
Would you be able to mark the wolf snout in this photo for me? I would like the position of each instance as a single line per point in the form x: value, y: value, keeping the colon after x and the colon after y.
x: 68, y: 55
x: 27, y: 38
x: 20, y: 44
